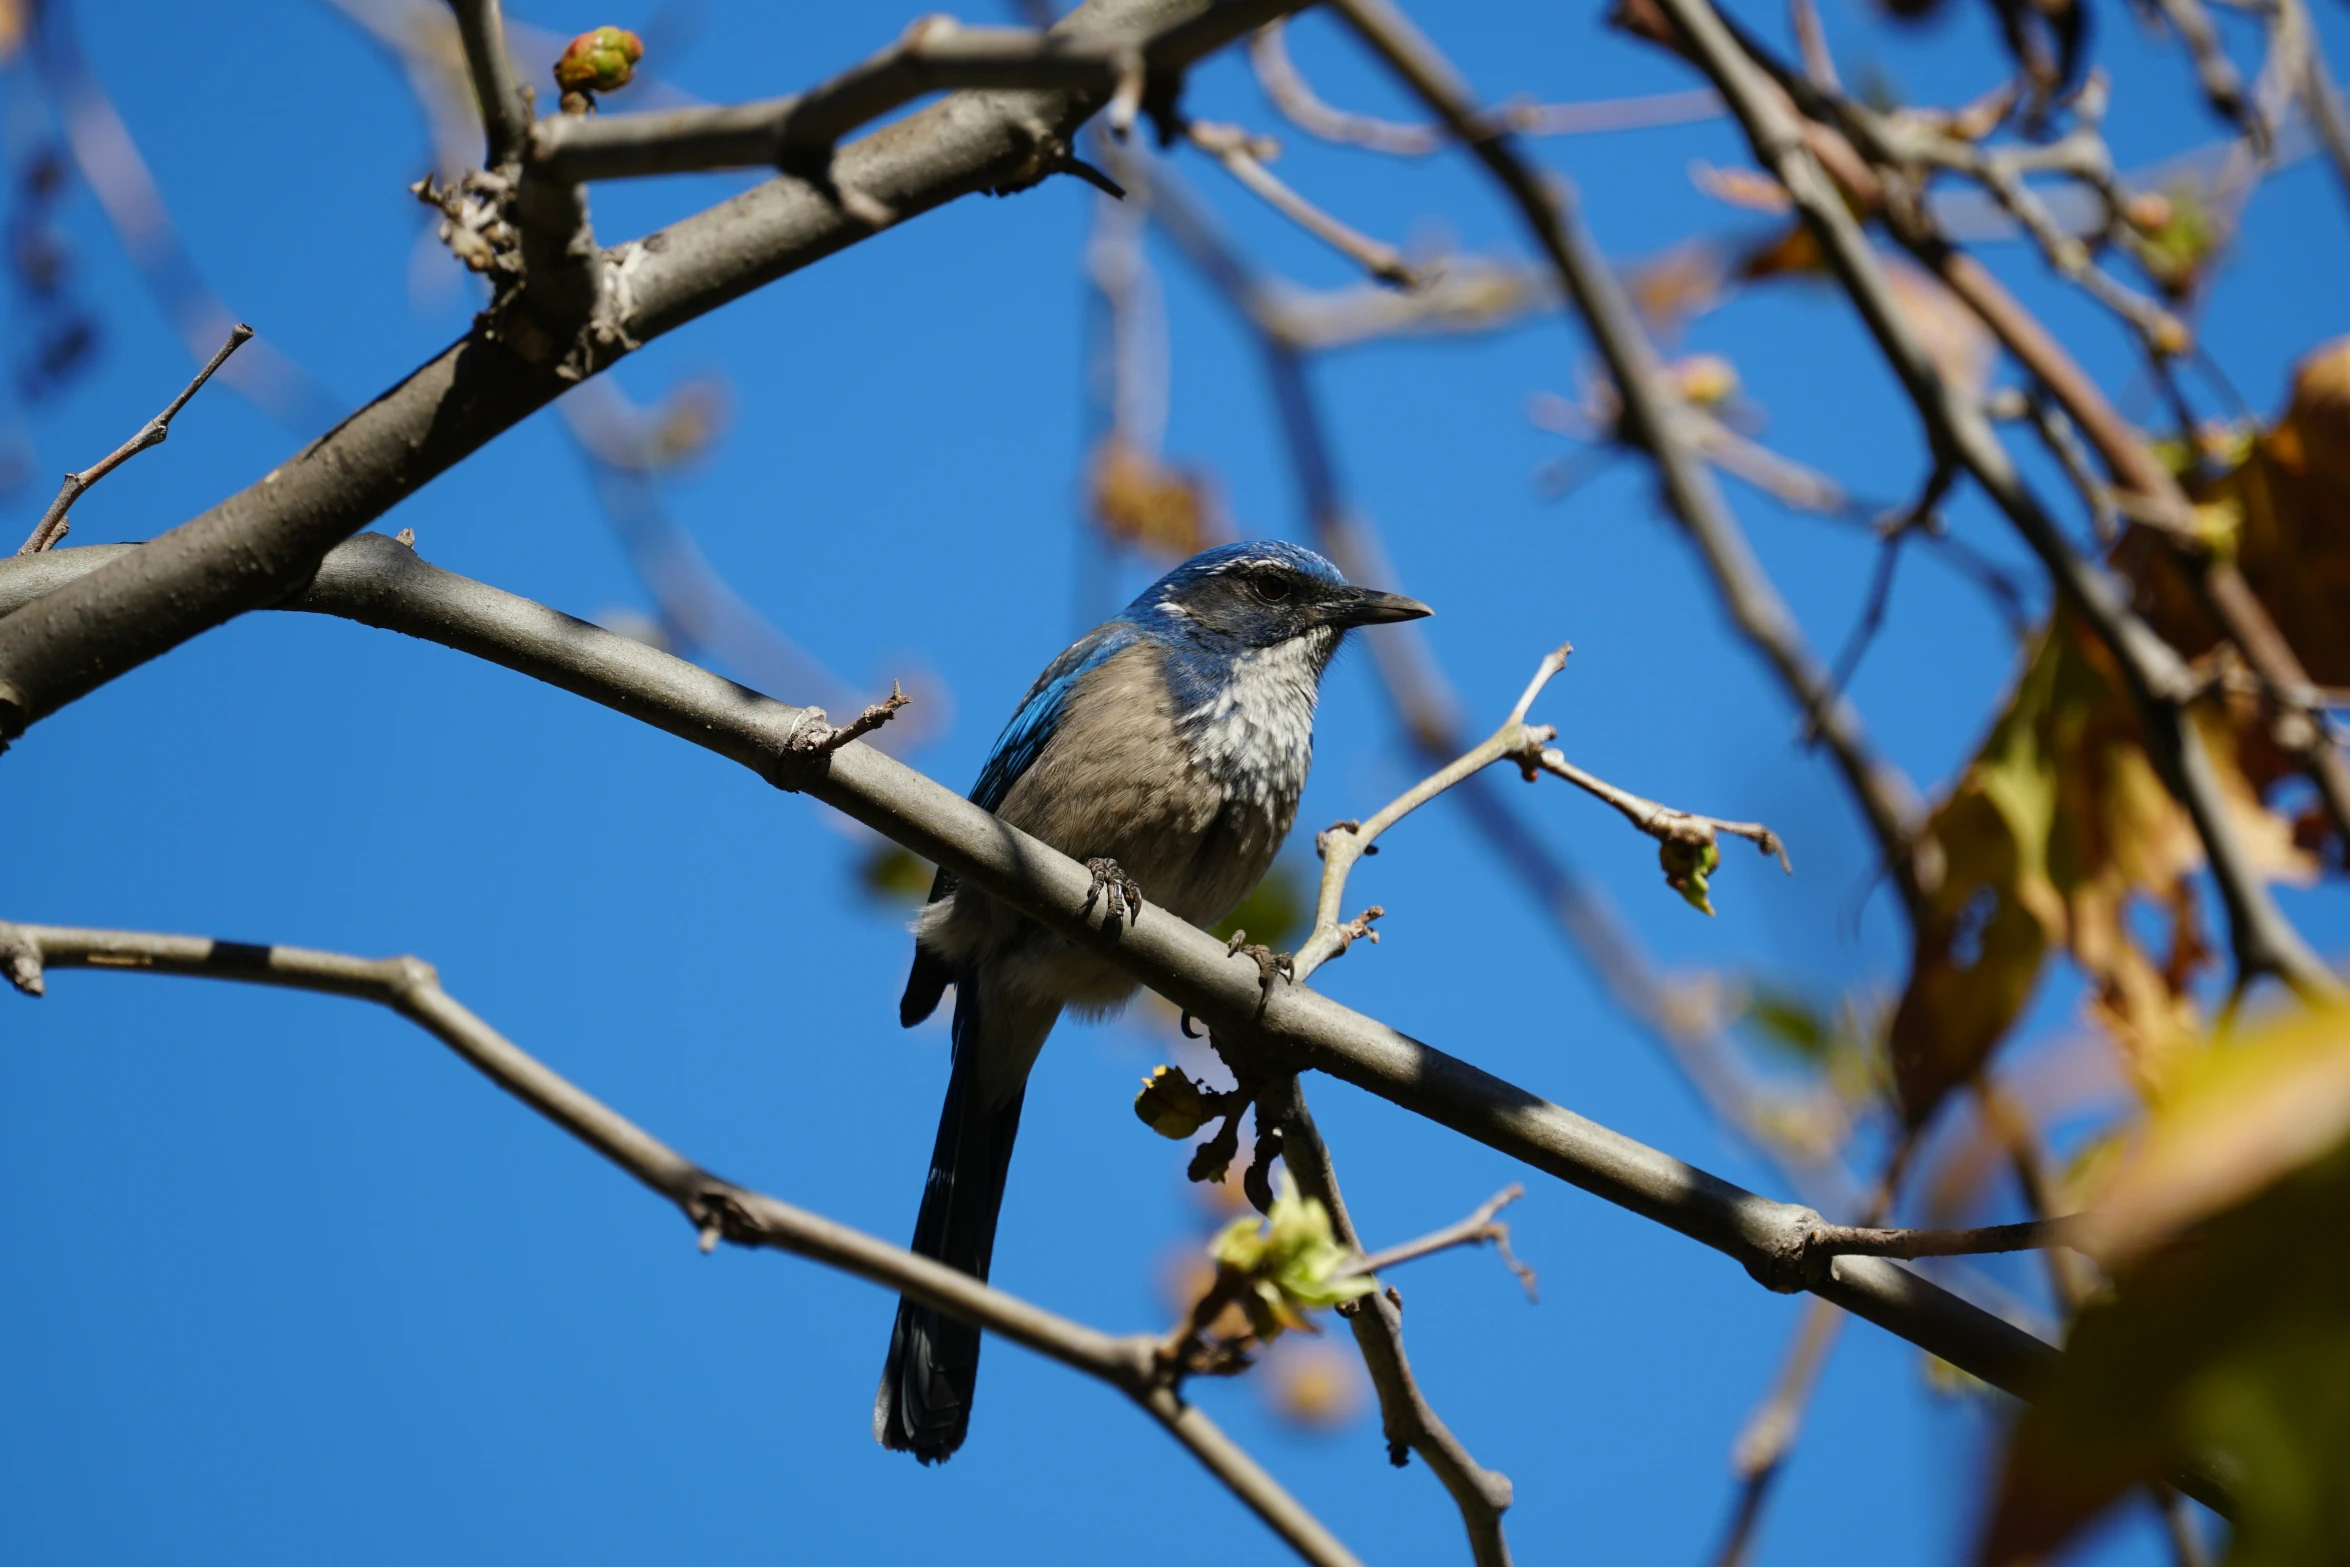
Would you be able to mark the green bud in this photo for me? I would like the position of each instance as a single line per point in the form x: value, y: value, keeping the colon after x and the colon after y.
x: 1687, y: 865
x: 599, y: 61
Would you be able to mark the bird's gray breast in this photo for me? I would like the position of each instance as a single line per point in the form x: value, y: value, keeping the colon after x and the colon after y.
x: 1193, y: 801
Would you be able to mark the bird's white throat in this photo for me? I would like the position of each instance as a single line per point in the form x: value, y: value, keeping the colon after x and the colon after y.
x: 1256, y: 735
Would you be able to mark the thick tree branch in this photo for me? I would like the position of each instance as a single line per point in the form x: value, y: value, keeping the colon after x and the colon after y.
x: 379, y: 582
x: 2264, y: 941
x: 54, y: 524
x: 1651, y: 421
x: 1377, y: 1319
x: 257, y: 547
x: 718, y: 1209
x: 934, y: 55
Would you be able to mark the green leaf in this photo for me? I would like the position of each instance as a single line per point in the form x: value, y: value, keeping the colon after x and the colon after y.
x: 1292, y: 1260
x: 1687, y: 865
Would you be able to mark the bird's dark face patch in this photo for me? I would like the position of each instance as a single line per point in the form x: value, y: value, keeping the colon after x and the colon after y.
x: 1247, y: 597
x: 1255, y: 601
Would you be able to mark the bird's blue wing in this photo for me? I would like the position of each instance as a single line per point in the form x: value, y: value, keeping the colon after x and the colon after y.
x: 1039, y: 717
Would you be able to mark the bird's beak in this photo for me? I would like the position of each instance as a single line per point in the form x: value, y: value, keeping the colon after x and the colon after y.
x: 1364, y: 607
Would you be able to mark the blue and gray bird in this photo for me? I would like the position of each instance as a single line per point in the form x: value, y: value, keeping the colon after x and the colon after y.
x: 1167, y: 749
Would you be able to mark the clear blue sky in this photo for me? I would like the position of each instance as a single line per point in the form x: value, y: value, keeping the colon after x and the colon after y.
x: 286, y: 1282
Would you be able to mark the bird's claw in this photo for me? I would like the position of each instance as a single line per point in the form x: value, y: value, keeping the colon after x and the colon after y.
x: 1124, y: 900
x: 1271, y: 965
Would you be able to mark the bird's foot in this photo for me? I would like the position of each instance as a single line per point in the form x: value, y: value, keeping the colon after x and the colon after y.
x: 1123, y: 900
x: 1271, y: 965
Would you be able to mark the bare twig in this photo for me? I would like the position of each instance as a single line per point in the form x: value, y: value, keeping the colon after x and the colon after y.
x: 1477, y: 1229
x: 1760, y: 1452
x: 2223, y: 87
x: 1811, y: 38
x: 717, y: 1209
x: 54, y: 524
x: 108, y: 157
x: 1345, y: 843
x: 505, y: 110
x: 1294, y: 96
x: 2322, y: 96
x: 1243, y: 157
x: 1663, y: 822
x: 1844, y: 1240
x: 379, y: 582
x: 1408, y: 1421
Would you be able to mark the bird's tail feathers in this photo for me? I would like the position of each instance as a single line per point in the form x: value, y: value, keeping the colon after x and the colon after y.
x: 924, y: 1404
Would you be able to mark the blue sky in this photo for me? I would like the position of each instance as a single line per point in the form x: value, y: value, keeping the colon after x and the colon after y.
x: 286, y: 1282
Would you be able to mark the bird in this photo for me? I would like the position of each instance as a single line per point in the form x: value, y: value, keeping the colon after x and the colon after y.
x: 1166, y: 748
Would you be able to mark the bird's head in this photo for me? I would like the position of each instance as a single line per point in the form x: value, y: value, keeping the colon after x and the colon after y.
x: 1263, y: 594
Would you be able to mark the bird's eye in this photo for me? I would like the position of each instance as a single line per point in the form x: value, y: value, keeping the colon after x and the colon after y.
x: 1273, y: 590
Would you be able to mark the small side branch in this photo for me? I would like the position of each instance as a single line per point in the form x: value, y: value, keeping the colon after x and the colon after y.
x: 1411, y: 1425
x: 1477, y: 1229
x: 1244, y: 157
x: 1665, y: 823
x: 1846, y: 1240
x: 1294, y: 96
x: 1687, y: 840
x: 1768, y: 1436
x: 717, y: 1209
x: 1346, y: 842
x: 505, y: 110
x: 814, y: 737
x: 54, y: 524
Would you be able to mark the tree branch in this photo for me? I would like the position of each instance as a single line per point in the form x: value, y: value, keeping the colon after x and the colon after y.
x: 2264, y: 941
x: 505, y: 109
x: 1406, y: 1417
x: 1294, y: 96
x: 1846, y: 1240
x: 935, y: 54
x: 1768, y: 1436
x: 717, y: 1208
x: 1477, y: 1229
x: 54, y: 525
x: 1687, y: 837
x: 1651, y: 421
x: 379, y: 582
x: 1243, y: 157
x: 258, y: 546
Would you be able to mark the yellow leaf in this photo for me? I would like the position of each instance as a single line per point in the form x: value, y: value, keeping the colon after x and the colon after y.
x: 2281, y: 513
x: 2226, y: 1344
x: 2056, y: 832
